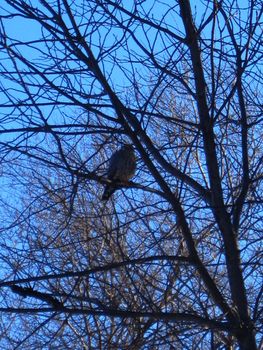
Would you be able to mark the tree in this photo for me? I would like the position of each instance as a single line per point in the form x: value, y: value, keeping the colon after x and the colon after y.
x: 172, y: 260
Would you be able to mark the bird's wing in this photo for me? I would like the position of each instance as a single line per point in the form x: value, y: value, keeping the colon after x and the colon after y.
x: 114, y: 164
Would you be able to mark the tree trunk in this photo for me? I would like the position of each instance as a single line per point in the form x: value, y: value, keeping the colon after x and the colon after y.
x: 246, y: 340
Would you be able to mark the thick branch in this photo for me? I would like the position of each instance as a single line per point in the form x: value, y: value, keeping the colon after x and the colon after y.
x: 116, y: 265
x: 30, y: 292
x: 244, y: 128
x: 222, y: 217
x: 162, y: 316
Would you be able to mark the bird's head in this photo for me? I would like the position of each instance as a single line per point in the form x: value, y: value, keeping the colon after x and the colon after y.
x: 128, y: 147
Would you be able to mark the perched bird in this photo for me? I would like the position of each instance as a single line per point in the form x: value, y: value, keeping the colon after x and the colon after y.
x: 122, y: 167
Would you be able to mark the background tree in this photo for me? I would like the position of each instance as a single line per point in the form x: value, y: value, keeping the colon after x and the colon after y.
x: 172, y: 260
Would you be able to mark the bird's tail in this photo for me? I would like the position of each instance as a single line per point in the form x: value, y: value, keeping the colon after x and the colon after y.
x: 109, y: 190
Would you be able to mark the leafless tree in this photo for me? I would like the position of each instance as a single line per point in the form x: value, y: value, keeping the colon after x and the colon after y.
x: 173, y: 259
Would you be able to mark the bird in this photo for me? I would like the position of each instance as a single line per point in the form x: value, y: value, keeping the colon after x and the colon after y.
x: 122, y: 166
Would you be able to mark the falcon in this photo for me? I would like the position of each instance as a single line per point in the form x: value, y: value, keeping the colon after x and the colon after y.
x: 122, y: 167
